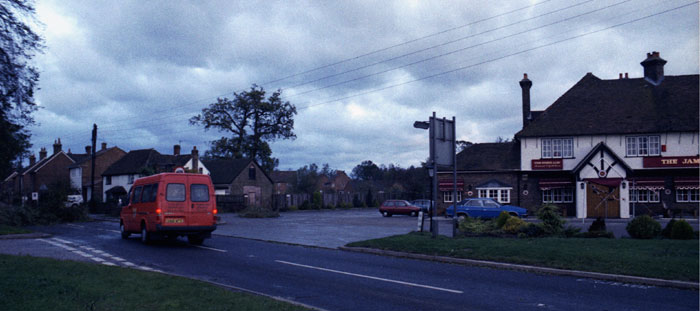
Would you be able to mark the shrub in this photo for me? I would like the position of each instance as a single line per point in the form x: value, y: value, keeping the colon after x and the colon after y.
x: 476, y: 226
x: 293, y: 208
x: 513, y: 224
x: 316, y: 200
x: 258, y: 212
x: 598, y: 234
x: 305, y: 205
x: 682, y: 231
x: 597, y: 225
x: 532, y: 230
x: 643, y: 227
x: 666, y: 233
x: 502, y: 218
x: 571, y: 232
x: 552, y: 224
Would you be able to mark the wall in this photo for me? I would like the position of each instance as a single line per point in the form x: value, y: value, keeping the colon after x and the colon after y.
x: 242, y: 180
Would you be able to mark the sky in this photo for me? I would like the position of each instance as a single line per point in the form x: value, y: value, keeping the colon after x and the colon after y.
x: 359, y: 72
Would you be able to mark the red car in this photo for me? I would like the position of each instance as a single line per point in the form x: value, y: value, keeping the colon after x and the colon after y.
x: 391, y: 207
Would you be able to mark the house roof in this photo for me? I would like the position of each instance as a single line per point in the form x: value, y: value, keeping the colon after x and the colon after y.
x: 38, y: 165
x: 288, y: 177
x: 620, y: 106
x: 224, y: 171
x: 81, y: 158
x: 136, y: 160
x: 489, y: 157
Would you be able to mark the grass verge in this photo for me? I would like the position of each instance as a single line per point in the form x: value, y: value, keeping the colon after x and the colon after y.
x: 31, y: 283
x: 5, y: 229
x: 664, y: 259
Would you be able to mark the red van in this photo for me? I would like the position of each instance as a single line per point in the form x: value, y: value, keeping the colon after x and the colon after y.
x: 170, y: 205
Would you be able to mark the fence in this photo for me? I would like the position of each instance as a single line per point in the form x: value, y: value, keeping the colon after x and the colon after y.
x: 230, y: 203
x: 283, y: 202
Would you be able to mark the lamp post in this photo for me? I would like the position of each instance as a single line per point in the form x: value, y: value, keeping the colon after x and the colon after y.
x: 432, y: 171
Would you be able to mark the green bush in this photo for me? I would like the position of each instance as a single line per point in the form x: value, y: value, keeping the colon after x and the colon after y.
x: 597, y: 234
x: 305, y: 205
x: 571, y: 232
x: 502, y: 218
x: 476, y: 226
x: 682, y: 231
x: 552, y: 224
x: 643, y: 227
x: 344, y: 205
x: 597, y: 225
x: 316, y: 200
x: 513, y: 225
x: 293, y: 208
x: 532, y: 230
x: 666, y: 233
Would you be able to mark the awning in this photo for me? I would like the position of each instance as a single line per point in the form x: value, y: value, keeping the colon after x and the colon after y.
x: 647, y: 183
x: 552, y: 183
x: 610, y: 182
x: 686, y: 183
x: 447, y: 185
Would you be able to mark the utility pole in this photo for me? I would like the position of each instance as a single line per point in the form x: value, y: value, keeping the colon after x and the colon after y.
x: 92, y: 164
x: 21, y: 181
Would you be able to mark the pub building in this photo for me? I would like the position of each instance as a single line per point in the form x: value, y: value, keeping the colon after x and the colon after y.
x: 605, y: 148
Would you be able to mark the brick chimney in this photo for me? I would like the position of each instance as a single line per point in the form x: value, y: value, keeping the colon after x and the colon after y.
x: 42, y: 153
x: 653, y: 68
x: 57, y: 147
x: 525, y: 85
x: 176, y: 150
x: 195, y: 159
x: 32, y: 159
x: 88, y: 150
x: 104, y: 146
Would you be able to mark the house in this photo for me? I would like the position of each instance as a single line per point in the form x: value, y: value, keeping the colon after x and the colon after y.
x: 118, y: 177
x: 241, y: 177
x: 605, y: 148
x: 39, y: 175
x: 284, y: 181
x: 80, y: 171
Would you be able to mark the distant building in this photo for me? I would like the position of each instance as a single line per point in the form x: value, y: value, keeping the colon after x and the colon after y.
x: 605, y: 148
x: 80, y: 171
x: 242, y: 177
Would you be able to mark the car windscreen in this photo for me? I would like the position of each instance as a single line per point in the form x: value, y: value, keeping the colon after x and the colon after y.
x: 199, y: 193
x: 175, y: 192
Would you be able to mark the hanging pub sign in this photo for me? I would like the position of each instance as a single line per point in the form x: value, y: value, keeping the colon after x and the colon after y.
x: 547, y: 164
x: 671, y: 162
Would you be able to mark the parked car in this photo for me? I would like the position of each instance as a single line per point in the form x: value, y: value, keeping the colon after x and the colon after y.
x: 423, y: 204
x: 391, y: 207
x: 483, y: 208
x: 170, y: 205
x: 73, y: 200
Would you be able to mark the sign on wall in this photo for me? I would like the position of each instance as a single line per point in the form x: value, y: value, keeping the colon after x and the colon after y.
x: 547, y: 164
x: 671, y: 162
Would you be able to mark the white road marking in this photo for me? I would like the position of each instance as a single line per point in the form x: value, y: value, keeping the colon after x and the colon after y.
x: 107, y: 263
x: 372, y: 277
x: 75, y: 226
x: 128, y: 264
x: 62, y: 241
x: 115, y: 231
x: 211, y: 249
x: 118, y: 258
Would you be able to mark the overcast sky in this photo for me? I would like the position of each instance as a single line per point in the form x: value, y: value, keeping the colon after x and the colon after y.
x: 359, y: 72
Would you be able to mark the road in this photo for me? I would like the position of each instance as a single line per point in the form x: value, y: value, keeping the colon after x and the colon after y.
x: 337, y: 280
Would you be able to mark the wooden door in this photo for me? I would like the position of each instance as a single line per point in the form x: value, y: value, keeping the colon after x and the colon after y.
x: 602, y: 200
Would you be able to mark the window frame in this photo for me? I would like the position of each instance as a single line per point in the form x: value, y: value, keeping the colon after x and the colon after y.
x: 558, y: 195
x: 643, y: 146
x: 688, y: 195
x: 167, y: 192
x: 192, y: 192
x: 497, y: 194
x: 557, y: 148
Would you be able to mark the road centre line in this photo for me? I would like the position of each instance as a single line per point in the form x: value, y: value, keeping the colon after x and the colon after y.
x: 62, y: 241
x: 211, y: 249
x: 372, y: 277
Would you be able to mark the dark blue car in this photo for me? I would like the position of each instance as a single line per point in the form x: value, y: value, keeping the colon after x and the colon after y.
x: 483, y: 208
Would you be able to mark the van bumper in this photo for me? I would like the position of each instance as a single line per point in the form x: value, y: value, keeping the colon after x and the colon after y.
x: 185, y: 229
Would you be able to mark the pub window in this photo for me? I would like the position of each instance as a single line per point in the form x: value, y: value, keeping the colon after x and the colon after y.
x: 558, y: 195
x: 500, y: 195
x: 557, y: 148
x: 447, y: 196
x: 643, y: 195
x: 687, y: 195
x: 641, y: 146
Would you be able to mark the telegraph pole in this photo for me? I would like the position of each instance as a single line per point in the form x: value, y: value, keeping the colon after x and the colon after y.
x: 92, y: 164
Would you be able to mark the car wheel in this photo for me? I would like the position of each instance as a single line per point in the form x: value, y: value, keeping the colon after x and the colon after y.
x: 125, y: 234
x: 195, y: 240
x: 145, y: 236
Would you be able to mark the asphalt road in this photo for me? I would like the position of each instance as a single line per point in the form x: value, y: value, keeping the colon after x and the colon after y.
x: 337, y: 280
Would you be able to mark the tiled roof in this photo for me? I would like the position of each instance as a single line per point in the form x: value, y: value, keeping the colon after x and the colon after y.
x: 225, y: 171
x: 621, y: 106
x: 489, y: 157
x: 81, y: 158
x: 136, y: 160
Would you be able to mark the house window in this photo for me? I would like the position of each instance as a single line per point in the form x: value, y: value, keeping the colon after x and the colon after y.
x: 687, y: 195
x: 643, y: 195
x: 131, y: 179
x: 641, y: 146
x: 557, y: 148
x: 500, y: 195
x: 251, y: 173
x: 558, y: 195
x: 447, y: 196
x: 108, y: 180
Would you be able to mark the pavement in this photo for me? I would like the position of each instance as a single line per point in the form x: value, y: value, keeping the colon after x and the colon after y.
x: 336, y: 228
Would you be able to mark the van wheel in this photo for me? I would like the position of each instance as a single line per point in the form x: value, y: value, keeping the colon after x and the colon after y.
x: 145, y: 236
x: 195, y: 240
x: 125, y: 234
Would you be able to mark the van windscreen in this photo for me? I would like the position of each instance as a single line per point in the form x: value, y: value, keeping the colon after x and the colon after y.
x: 175, y: 192
x: 199, y: 193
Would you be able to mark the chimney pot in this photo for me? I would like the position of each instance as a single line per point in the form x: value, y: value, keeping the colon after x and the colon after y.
x: 57, y: 147
x: 654, y: 68
x: 525, y: 85
x: 42, y: 154
x: 32, y: 159
x: 621, y: 75
x: 176, y: 149
x: 88, y: 149
x: 627, y: 75
x: 195, y: 159
x: 104, y: 146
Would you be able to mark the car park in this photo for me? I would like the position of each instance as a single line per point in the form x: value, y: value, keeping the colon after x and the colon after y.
x: 170, y: 205
x: 403, y: 207
x: 423, y: 204
x: 483, y: 208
